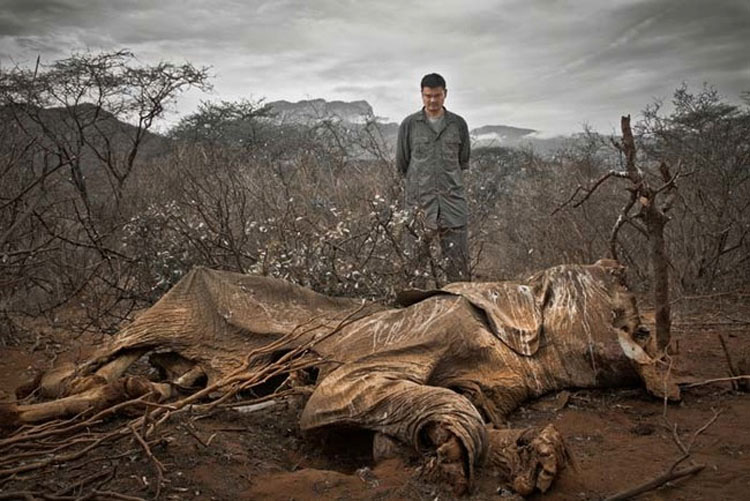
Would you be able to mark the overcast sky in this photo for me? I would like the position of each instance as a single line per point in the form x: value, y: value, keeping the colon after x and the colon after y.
x: 551, y: 65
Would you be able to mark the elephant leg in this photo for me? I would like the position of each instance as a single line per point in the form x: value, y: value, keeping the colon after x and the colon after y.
x: 448, y: 464
x: 437, y: 422
x: 96, y: 398
x: 65, y: 380
x: 116, y: 367
x: 184, y: 373
x: 527, y: 459
x: 190, y: 378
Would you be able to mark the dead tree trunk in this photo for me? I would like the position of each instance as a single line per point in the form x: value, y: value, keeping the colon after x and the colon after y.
x: 660, y: 276
x: 654, y: 218
x: 649, y: 219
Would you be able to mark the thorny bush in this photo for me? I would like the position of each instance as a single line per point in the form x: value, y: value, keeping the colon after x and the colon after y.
x: 101, y: 210
x: 338, y: 231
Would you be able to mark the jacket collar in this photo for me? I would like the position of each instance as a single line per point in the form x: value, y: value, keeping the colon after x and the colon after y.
x: 422, y: 116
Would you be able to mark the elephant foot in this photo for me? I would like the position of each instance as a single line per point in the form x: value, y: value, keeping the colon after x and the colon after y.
x: 386, y: 447
x: 449, y: 464
x: 527, y: 459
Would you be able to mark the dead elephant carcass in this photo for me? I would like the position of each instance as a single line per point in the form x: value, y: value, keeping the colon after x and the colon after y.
x: 438, y: 375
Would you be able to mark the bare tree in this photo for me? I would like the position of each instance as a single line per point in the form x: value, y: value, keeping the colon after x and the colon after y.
x: 711, y: 228
x: 74, y: 132
x: 651, y: 202
x: 94, y: 107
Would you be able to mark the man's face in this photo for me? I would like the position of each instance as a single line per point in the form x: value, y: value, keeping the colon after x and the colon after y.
x: 433, y: 99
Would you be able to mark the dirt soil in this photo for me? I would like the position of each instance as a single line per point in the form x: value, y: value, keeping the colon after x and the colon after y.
x: 619, y: 438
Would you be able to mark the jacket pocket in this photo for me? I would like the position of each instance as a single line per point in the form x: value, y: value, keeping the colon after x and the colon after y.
x: 450, y: 150
x: 451, y: 143
x: 421, y: 149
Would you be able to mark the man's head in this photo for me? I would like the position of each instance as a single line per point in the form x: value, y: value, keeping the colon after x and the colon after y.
x: 433, y: 93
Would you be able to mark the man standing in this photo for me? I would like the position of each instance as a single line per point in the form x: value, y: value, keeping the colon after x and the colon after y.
x: 432, y: 152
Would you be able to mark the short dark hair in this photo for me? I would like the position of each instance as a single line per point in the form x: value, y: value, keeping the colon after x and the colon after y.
x: 433, y: 80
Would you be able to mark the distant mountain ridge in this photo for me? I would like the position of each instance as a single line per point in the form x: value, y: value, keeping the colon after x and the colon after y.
x: 357, y: 112
x: 320, y: 109
x: 501, y: 133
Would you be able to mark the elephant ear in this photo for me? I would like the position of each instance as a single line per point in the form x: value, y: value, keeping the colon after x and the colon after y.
x: 513, y: 311
x: 408, y: 297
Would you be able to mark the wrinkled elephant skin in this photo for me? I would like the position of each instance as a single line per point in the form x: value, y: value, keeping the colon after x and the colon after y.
x: 437, y: 375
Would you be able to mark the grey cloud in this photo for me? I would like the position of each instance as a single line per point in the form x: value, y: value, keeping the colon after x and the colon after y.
x: 543, y: 63
x: 37, y: 17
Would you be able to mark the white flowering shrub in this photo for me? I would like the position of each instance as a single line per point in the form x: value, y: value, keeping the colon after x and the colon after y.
x: 338, y: 229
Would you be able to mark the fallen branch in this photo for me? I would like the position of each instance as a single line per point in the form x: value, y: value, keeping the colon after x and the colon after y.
x: 36, y: 433
x: 193, y: 434
x: 157, y: 464
x: 672, y: 473
x: 741, y: 377
x: 116, y: 495
x: 61, y: 458
x: 94, y: 495
x: 87, y: 480
x: 686, y: 449
x: 36, y: 448
x: 667, y: 476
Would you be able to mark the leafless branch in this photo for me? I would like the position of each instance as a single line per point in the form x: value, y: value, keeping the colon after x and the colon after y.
x: 621, y: 219
x: 590, y: 190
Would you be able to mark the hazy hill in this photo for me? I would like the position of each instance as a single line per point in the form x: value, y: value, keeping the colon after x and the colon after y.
x: 490, y: 136
x: 100, y: 124
x: 320, y: 109
x: 354, y: 114
x: 86, y: 134
x: 500, y: 135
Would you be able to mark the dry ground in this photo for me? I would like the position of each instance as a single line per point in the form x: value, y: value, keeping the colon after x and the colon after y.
x: 619, y: 438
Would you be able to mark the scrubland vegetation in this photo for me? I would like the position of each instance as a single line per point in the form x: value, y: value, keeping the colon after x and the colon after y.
x: 100, y: 212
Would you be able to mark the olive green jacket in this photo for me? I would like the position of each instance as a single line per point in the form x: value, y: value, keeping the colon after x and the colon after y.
x: 433, y: 163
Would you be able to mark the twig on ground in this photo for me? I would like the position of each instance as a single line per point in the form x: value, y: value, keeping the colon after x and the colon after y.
x: 31, y: 496
x: 158, y: 466
x: 686, y: 448
x: 193, y: 434
x: 667, y: 476
x: 92, y: 496
x: 740, y: 377
x: 60, y: 458
x: 117, y: 495
x: 35, y: 434
x: 108, y: 457
x: 42, y: 451
x: 671, y: 473
x: 86, y: 480
x: 144, y: 427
